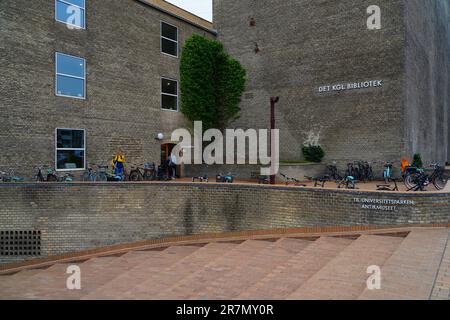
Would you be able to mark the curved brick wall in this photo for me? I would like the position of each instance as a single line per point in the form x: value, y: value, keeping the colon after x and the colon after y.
x: 75, y: 216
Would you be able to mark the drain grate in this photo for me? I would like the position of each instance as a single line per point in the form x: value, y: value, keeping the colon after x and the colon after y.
x: 20, y: 243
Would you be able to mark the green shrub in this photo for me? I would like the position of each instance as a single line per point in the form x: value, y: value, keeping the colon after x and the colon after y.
x: 212, y: 83
x: 313, y: 153
x: 417, y: 161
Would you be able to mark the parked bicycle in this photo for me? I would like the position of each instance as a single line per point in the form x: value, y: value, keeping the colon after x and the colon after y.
x: 145, y: 172
x: 10, y: 176
x: 51, y: 175
x: 349, y: 182
x: 228, y: 178
x: 100, y: 175
x: 416, y: 179
x: 333, y: 172
x: 387, y: 172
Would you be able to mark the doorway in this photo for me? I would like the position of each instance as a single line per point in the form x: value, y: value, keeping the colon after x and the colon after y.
x: 166, y: 151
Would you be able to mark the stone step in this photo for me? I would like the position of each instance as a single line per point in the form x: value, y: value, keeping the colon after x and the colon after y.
x: 34, y: 286
x: 345, y: 277
x: 200, y: 280
x: 51, y: 283
x: 98, y: 272
x: 141, y: 271
x: 167, y: 277
x: 289, y: 276
x: 8, y: 283
x: 225, y: 286
x: 411, y: 271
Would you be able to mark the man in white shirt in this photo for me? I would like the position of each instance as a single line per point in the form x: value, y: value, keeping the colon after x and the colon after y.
x: 173, y: 165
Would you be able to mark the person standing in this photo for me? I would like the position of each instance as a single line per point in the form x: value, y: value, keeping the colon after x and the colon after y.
x: 118, y: 163
x: 173, y: 165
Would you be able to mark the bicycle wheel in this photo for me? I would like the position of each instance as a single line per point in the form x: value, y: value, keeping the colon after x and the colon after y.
x: 440, y: 182
x: 87, y: 177
x: 409, y: 181
x: 101, y: 177
x: 135, y: 176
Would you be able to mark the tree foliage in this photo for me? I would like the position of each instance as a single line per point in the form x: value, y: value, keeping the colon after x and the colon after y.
x: 212, y: 83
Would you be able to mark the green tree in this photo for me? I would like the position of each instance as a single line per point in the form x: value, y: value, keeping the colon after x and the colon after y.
x: 212, y: 83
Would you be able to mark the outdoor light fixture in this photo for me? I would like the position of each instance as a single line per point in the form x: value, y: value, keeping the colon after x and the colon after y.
x: 159, y: 136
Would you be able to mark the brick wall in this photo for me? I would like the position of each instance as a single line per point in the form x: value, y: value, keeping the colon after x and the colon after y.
x: 121, y: 45
x: 304, y: 44
x: 80, y: 216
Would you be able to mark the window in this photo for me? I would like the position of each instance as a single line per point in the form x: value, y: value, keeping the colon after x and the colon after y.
x: 70, y: 76
x: 70, y: 149
x: 71, y: 12
x: 169, y: 39
x: 169, y: 94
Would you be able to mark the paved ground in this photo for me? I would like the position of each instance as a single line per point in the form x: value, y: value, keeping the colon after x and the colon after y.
x: 413, y: 265
x: 368, y: 186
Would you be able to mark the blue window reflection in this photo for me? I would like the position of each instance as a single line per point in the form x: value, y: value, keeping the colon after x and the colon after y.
x: 71, y: 12
x: 70, y: 76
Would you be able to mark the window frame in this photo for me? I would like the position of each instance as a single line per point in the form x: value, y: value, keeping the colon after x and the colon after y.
x: 162, y: 37
x: 70, y: 149
x: 65, y: 22
x: 69, y: 76
x: 169, y: 94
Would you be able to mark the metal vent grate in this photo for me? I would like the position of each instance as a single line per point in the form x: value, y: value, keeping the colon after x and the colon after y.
x: 20, y: 243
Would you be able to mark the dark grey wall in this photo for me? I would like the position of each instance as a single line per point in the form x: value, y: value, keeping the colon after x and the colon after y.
x: 308, y: 43
x: 122, y: 47
x: 427, y: 107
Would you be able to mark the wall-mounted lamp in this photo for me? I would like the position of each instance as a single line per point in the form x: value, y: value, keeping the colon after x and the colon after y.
x: 159, y: 136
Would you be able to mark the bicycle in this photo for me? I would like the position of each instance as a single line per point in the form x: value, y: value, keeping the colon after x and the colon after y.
x: 416, y: 179
x: 89, y: 175
x: 333, y: 172
x: 349, y: 182
x: 387, y: 172
x: 388, y: 187
x: 148, y: 174
x: 10, y: 176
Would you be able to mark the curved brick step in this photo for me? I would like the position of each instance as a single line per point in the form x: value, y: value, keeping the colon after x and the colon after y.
x: 141, y: 271
x: 51, y: 283
x: 35, y: 286
x: 289, y: 276
x: 167, y: 277
x: 229, y: 285
x: 97, y: 272
x: 344, y: 277
x: 9, y: 282
x: 410, y: 272
x: 206, y: 278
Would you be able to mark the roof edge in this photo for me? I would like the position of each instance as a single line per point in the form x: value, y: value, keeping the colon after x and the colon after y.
x: 153, y: 5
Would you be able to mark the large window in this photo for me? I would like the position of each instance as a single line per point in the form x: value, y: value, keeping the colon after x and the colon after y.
x: 71, y: 12
x: 70, y: 149
x: 169, y: 94
x: 70, y: 76
x: 169, y: 39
